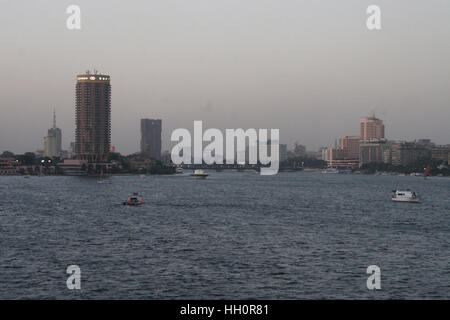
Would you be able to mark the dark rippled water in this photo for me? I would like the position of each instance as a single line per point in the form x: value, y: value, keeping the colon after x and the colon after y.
x: 234, y: 235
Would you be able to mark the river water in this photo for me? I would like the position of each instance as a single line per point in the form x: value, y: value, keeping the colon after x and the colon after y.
x: 232, y: 236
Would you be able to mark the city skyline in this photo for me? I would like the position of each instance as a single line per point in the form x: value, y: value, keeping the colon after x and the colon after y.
x: 309, y: 69
x: 228, y: 158
x: 371, y: 128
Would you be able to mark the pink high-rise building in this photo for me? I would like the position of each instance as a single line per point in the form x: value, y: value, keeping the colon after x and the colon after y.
x: 372, y: 128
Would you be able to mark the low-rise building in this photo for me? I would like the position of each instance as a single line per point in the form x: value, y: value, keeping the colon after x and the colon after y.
x: 441, y: 154
x: 337, y: 158
x: 406, y: 153
x: 6, y: 166
x: 73, y: 167
x: 371, y: 151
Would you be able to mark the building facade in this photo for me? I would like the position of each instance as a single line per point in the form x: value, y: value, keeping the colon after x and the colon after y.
x: 337, y: 158
x: 93, y: 117
x: 52, y: 142
x: 371, y: 151
x: 151, y: 138
x: 441, y: 154
x: 350, y: 146
x: 406, y: 153
x: 6, y: 166
x: 372, y: 128
x: 346, y: 155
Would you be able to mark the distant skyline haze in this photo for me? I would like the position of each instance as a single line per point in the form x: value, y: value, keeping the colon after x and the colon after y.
x: 309, y: 68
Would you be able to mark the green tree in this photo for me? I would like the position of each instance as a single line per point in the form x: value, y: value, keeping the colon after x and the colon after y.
x: 26, y: 159
x: 7, y: 154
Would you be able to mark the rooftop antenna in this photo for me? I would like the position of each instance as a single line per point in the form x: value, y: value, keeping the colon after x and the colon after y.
x: 54, y: 118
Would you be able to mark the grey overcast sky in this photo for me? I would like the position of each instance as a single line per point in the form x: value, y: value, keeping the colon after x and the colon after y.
x: 310, y: 68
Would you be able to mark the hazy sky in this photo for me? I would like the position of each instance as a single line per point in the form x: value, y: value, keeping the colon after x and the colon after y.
x: 310, y: 68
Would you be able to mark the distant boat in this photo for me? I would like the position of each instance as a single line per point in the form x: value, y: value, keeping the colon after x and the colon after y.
x: 142, y: 176
x: 330, y: 170
x: 405, y: 196
x: 199, y: 174
x: 102, y: 180
x: 416, y: 174
x: 134, y: 200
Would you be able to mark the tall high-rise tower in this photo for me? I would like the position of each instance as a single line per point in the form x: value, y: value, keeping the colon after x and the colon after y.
x: 93, y: 117
x: 151, y: 138
x: 52, y: 142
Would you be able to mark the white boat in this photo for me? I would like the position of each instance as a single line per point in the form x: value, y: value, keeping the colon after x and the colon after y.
x: 405, y: 196
x: 330, y: 170
x: 199, y: 174
x: 179, y: 170
x: 104, y: 181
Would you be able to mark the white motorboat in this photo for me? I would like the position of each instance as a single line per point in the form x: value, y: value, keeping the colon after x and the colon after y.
x: 104, y: 181
x: 199, y: 174
x: 331, y: 170
x: 405, y: 196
